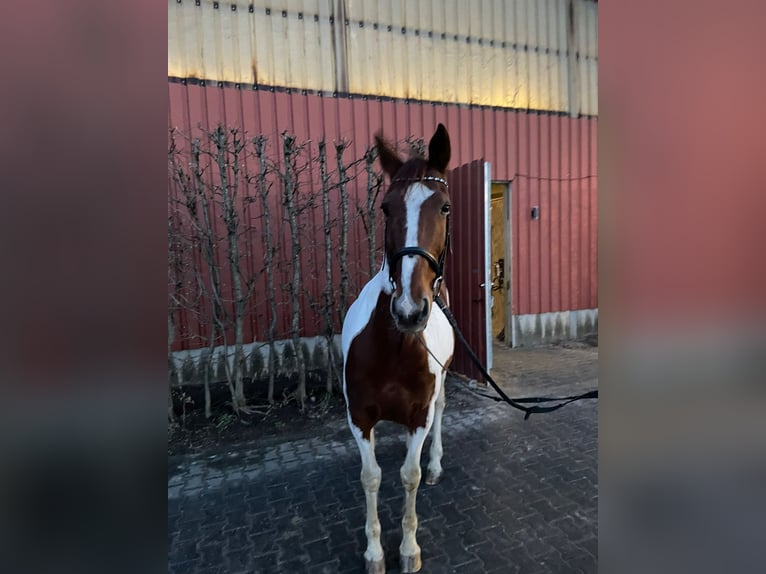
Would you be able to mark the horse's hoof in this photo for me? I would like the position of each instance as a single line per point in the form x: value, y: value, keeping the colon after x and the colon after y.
x: 432, y: 478
x: 410, y: 563
x: 375, y: 566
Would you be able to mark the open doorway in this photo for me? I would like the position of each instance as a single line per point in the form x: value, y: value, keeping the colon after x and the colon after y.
x: 500, y: 261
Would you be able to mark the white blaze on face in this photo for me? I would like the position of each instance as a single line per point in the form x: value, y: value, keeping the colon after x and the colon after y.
x: 413, y: 200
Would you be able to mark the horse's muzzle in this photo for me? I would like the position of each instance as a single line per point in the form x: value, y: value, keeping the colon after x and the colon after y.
x: 415, y: 320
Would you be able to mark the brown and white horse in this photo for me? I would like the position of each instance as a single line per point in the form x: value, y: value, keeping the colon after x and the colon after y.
x: 388, y: 372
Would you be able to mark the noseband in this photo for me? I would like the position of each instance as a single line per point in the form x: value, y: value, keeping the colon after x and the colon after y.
x: 437, y: 265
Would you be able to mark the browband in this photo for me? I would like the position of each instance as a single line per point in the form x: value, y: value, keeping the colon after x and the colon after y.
x: 424, y: 178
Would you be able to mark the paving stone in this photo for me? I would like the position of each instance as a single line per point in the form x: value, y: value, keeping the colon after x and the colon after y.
x: 591, y: 545
x: 183, y: 567
x: 236, y: 538
x: 293, y: 565
x: 521, y: 561
x: 318, y: 551
x: 237, y: 560
x: 472, y: 567
x: 329, y: 567
x: 264, y: 562
x: 457, y: 553
x: 194, y: 481
x: 572, y: 529
x: 489, y: 557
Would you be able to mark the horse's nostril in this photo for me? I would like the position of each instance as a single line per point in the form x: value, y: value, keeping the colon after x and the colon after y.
x: 424, y: 308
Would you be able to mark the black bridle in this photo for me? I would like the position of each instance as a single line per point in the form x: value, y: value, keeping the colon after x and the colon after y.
x: 437, y: 265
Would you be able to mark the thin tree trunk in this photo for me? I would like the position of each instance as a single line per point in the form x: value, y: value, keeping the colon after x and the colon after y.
x: 229, y: 198
x: 263, y: 189
x: 339, y: 149
x: 328, y: 302
x: 206, y: 232
x: 373, y: 186
x: 290, y: 191
x: 171, y: 336
x: 208, y: 369
x: 173, y: 256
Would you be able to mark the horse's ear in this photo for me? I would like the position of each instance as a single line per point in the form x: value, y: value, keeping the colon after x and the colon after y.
x: 389, y: 159
x: 439, y: 149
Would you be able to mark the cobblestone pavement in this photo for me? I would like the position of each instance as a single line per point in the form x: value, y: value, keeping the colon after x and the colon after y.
x: 517, y: 496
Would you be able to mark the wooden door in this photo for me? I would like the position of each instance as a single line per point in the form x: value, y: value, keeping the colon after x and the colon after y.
x: 467, y: 271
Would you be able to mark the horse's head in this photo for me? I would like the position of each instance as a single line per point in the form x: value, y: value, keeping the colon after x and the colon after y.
x: 417, y: 207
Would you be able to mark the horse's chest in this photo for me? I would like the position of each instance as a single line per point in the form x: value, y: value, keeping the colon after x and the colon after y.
x: 401, y: 375
x: 397, y: 396
x: 387, y: 374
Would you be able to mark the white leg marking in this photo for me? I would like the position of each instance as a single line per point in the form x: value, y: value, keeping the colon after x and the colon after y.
x: 414, y: 198
x: 409, y: 551
x: 371, y: 483
x: 435, y: 461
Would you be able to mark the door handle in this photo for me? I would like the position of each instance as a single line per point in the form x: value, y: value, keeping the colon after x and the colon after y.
x: 481, y: 297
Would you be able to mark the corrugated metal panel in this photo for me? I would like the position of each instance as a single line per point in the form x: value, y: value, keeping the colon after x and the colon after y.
x: 586, y: 42
x: 508, y: 54
x: 550, y: 161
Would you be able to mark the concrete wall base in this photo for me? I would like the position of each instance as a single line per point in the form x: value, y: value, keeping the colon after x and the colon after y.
x: 528, y: 330
x: 189, y: 366
x: 545, y: 328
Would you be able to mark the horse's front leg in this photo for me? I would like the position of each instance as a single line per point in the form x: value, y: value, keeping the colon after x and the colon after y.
x: 409, y: 551
x: 373, y: 556
x: 435, y: 471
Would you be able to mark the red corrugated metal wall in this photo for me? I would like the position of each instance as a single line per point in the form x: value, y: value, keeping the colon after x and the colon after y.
x: 555, y: 256
x: 549, y: 159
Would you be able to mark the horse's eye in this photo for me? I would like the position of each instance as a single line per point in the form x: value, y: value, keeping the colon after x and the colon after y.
x: 446, y: 208
x: 384, y: 207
